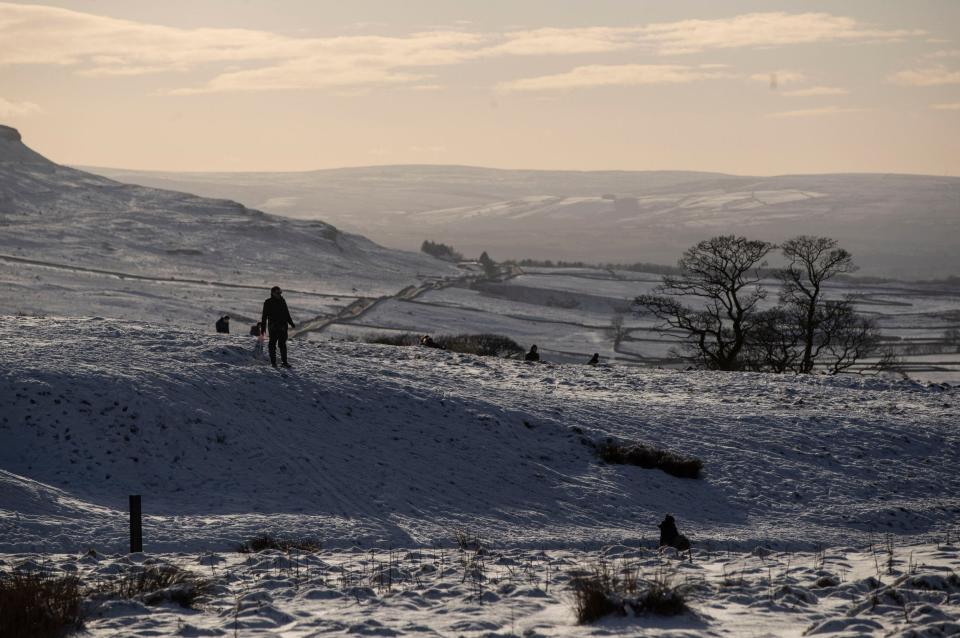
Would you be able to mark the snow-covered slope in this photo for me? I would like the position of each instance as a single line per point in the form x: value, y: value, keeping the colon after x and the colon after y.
x: 398, y: 447
x: 896, y: 225
x: 64, y: 217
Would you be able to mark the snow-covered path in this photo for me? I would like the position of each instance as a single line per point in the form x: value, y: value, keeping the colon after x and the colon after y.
x: 397, y: 447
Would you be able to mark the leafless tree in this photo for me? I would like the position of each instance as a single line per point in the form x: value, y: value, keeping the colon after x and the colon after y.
x: 811, y: 261
x: 723, y: 275
x: 773, y: 346
x: 845, y: 336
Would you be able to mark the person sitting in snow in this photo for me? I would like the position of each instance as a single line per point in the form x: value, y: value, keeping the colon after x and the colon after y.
x: 533, y: 355
x: 594, y: 360
x: 223, y: 324
x: 670, y: 536
x: 276, y: 318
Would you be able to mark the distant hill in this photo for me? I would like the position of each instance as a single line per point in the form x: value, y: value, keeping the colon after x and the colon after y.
x: 59, y: 215
x: 896, y: 225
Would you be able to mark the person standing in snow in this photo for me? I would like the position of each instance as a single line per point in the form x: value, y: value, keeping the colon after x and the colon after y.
x: 276, y: 318
x: 533, y: 355
x: 223, y: 324
x: 258, y: 331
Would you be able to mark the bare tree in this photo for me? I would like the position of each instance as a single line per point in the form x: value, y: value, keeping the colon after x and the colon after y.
x: 723, y: 275
x: 845, y: 336
x: 773, y: 346
x: 811, y: 261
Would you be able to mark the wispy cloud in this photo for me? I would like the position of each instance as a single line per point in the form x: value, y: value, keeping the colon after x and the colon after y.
x: 931, y: 76
x: 614, y: 75
x: 826, y: 110
x: 9, y: 108
x: 948, y: 106
x: 256, y: 60
x: 814, y: 91
x: 761, y: 30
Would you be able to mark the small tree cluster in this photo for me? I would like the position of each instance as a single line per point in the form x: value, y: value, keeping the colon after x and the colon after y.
x: 490, y: 268
x: 440, y: 251
x: 728, y: 330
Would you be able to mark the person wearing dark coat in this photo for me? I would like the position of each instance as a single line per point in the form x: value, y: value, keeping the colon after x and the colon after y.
x: 533, y: 355
x: 223, y: 324
x: 594, y: 360
x: 276, y: 318
x: 670, y: 536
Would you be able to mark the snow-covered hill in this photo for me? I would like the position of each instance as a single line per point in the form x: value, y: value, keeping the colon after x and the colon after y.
x: 399, y: 447
x: 896, y: 225
x: 76, y: 229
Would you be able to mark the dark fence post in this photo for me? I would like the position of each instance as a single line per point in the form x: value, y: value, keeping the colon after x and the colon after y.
x: 136, y: 524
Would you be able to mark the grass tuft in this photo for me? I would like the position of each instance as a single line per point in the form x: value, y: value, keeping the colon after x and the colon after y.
x: 602, y: 592
x: 36, y: 605
x: 158, y: 584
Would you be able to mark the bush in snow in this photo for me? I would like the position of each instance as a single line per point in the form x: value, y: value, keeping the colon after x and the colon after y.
x: 484, y: 345
x: 397, y: 339
x: 36, y: 605
x: 649, y: 458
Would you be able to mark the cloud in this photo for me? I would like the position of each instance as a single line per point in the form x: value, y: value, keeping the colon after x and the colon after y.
x: 764, y: 30
x: 255, y: 60
x: 826, y: 110
x: 9, y: 108
x: 932, y: 76
x: 613, y: 75
x: 815, y: 91
x: 949, y: 106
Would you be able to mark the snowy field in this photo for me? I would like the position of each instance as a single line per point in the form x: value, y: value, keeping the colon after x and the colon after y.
x: 384, y: 454
x: 911, y: 591
x: 568, y: 313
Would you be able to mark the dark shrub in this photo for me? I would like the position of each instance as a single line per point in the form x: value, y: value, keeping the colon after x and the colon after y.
x: 265, y: 541
x: 484, y: 345
x: 393, y: 339
x: 35, y: 605
x: 649, y: 458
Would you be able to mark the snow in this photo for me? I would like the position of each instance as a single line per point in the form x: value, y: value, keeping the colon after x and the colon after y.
x: 222, y: 446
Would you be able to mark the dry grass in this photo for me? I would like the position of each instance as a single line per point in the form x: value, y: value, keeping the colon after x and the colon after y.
x: 157, y: 584
x: 36, y: 605
x: 604, y: 591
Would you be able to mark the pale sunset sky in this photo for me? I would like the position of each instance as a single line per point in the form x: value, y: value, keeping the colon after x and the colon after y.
x: 739, y: 86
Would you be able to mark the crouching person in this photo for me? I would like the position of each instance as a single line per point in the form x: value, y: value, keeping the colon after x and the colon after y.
x: 670, y: 536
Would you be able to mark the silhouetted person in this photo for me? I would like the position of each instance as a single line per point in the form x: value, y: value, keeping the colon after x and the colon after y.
x: 533, y: 355
x: 670, y: 536
x: 223, y: 324
x: 594, y: 360
x: 276, y: 318
x: 256, y: 329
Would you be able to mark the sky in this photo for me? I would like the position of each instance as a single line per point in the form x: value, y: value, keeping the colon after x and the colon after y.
x: 735, y: 86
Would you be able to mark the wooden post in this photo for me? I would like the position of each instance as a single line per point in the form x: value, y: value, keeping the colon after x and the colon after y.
x: 136, y: 524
